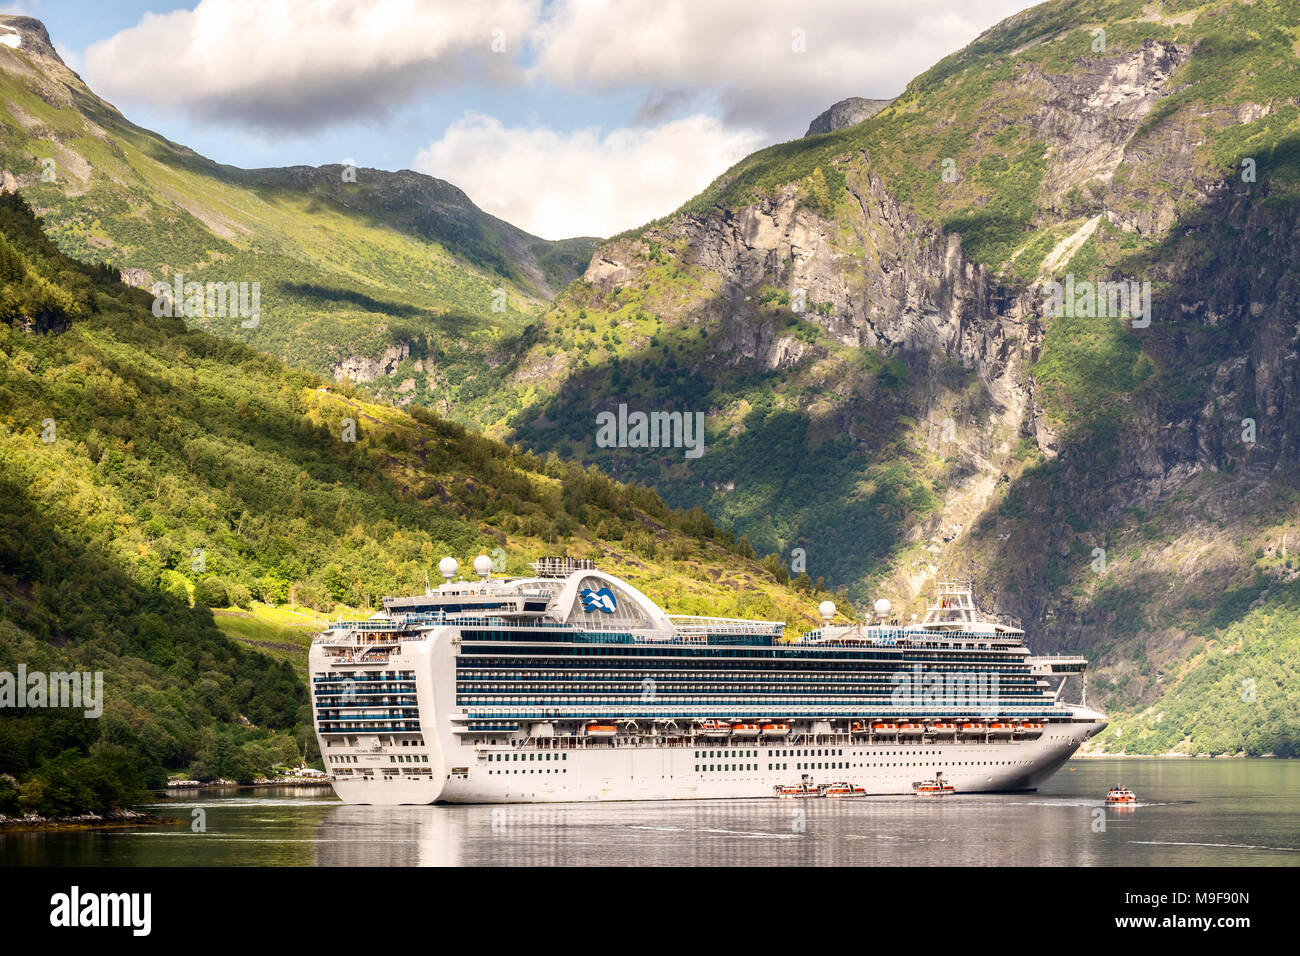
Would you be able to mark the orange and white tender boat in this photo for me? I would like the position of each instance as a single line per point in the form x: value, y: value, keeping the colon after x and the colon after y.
x: 745, y: 730
x: 1001, y: 728
x: 883, y: 727
x: 795, y: 791
x: 944, y: 727
x: 776, y: 730
x: 838, y: 791
x: 1030, y: 729
x: 973, y: 728
x: 715, y: 728
x: 598, y: 729
x: 1121, y: 796
x: 911, y: 728
x: 932, y: 788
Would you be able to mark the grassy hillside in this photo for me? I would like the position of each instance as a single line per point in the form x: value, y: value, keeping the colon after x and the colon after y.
x: 150, y: 473
x: 399, y: 269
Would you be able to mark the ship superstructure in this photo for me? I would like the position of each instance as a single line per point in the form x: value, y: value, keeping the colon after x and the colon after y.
x: 572, y: 685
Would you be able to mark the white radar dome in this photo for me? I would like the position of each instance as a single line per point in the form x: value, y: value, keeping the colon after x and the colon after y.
x: 883, y: 607
x: 482, y: 565
x: 826, y: 609
x: 448, y: 567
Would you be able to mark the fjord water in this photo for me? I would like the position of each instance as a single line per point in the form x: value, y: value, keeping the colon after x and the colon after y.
x: 1191, y: 813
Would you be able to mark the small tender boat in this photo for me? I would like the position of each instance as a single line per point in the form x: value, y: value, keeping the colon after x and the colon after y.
x: 745, y: 730
x: 715, y: 728
x: 776, y: 730
x: 884, y: 728
x: 1030, y: 728
x: 944, y: 727
x: 1121, y: 796
x: 973, y: 728
x: 911, y: 729
x: 932, y: 788
x: 795, y: 790
x: 600, y: 730
x: 838, y: 791
x: 1001, y: 728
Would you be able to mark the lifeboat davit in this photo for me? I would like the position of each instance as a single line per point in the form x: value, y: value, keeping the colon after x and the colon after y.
x: 973, y: 729
x: 745, y: 730
x: 601, y: 730
x: 715, y: 728
x: 776, y: 730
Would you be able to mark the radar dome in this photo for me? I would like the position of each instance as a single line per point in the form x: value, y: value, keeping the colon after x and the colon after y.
x: 826, y: 609
x: 448, y: 567
x: 482, y: 565
x: 883, y: 607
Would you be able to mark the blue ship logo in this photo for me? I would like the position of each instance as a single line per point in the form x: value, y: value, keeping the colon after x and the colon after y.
x: 602, y: 600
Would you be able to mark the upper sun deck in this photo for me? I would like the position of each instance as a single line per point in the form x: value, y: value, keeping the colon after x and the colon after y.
x: 573, y: 596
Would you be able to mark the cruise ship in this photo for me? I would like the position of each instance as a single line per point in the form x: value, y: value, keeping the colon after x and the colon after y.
x: 572, y: 685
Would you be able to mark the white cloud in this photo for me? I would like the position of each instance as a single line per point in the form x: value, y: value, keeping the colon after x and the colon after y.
x: 745, y: 53
x: 583, y: 183
x: 306, y: 63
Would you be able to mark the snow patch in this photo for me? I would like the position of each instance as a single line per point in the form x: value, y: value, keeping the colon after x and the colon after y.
x: 11, y: 40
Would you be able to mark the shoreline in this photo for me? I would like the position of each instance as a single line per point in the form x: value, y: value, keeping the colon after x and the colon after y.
x: 113, y: 820
x: 1174, y: 756
x: 167, y: 792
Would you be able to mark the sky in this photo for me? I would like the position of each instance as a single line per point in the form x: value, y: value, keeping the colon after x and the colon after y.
x: 564, y: 117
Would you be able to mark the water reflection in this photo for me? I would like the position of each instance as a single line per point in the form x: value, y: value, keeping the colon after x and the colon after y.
x: 1222, y: 812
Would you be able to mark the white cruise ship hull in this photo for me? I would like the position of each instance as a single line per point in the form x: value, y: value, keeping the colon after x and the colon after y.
x: 451, y: 765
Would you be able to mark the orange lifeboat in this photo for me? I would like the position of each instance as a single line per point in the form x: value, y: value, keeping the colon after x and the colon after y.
x: 944, y: 727
x: 715, y: 728
x: 932, y: 788
x: 745, y: 730
x: 911, y: 729
x: 1001, y: 728
x: 1030, y: 729
x: 972, y: 728
x: 596, y: 729
x: 839, y: 791
x: 795, y: 791
x: 1121, y: 796
x: 776, y: 730
x: 884, y: 727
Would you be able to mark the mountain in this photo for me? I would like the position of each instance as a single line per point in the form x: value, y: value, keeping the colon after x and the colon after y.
x: 845, y: 113
x: 161, y: 488
x: 363, y: 274
x: 894, y: 392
